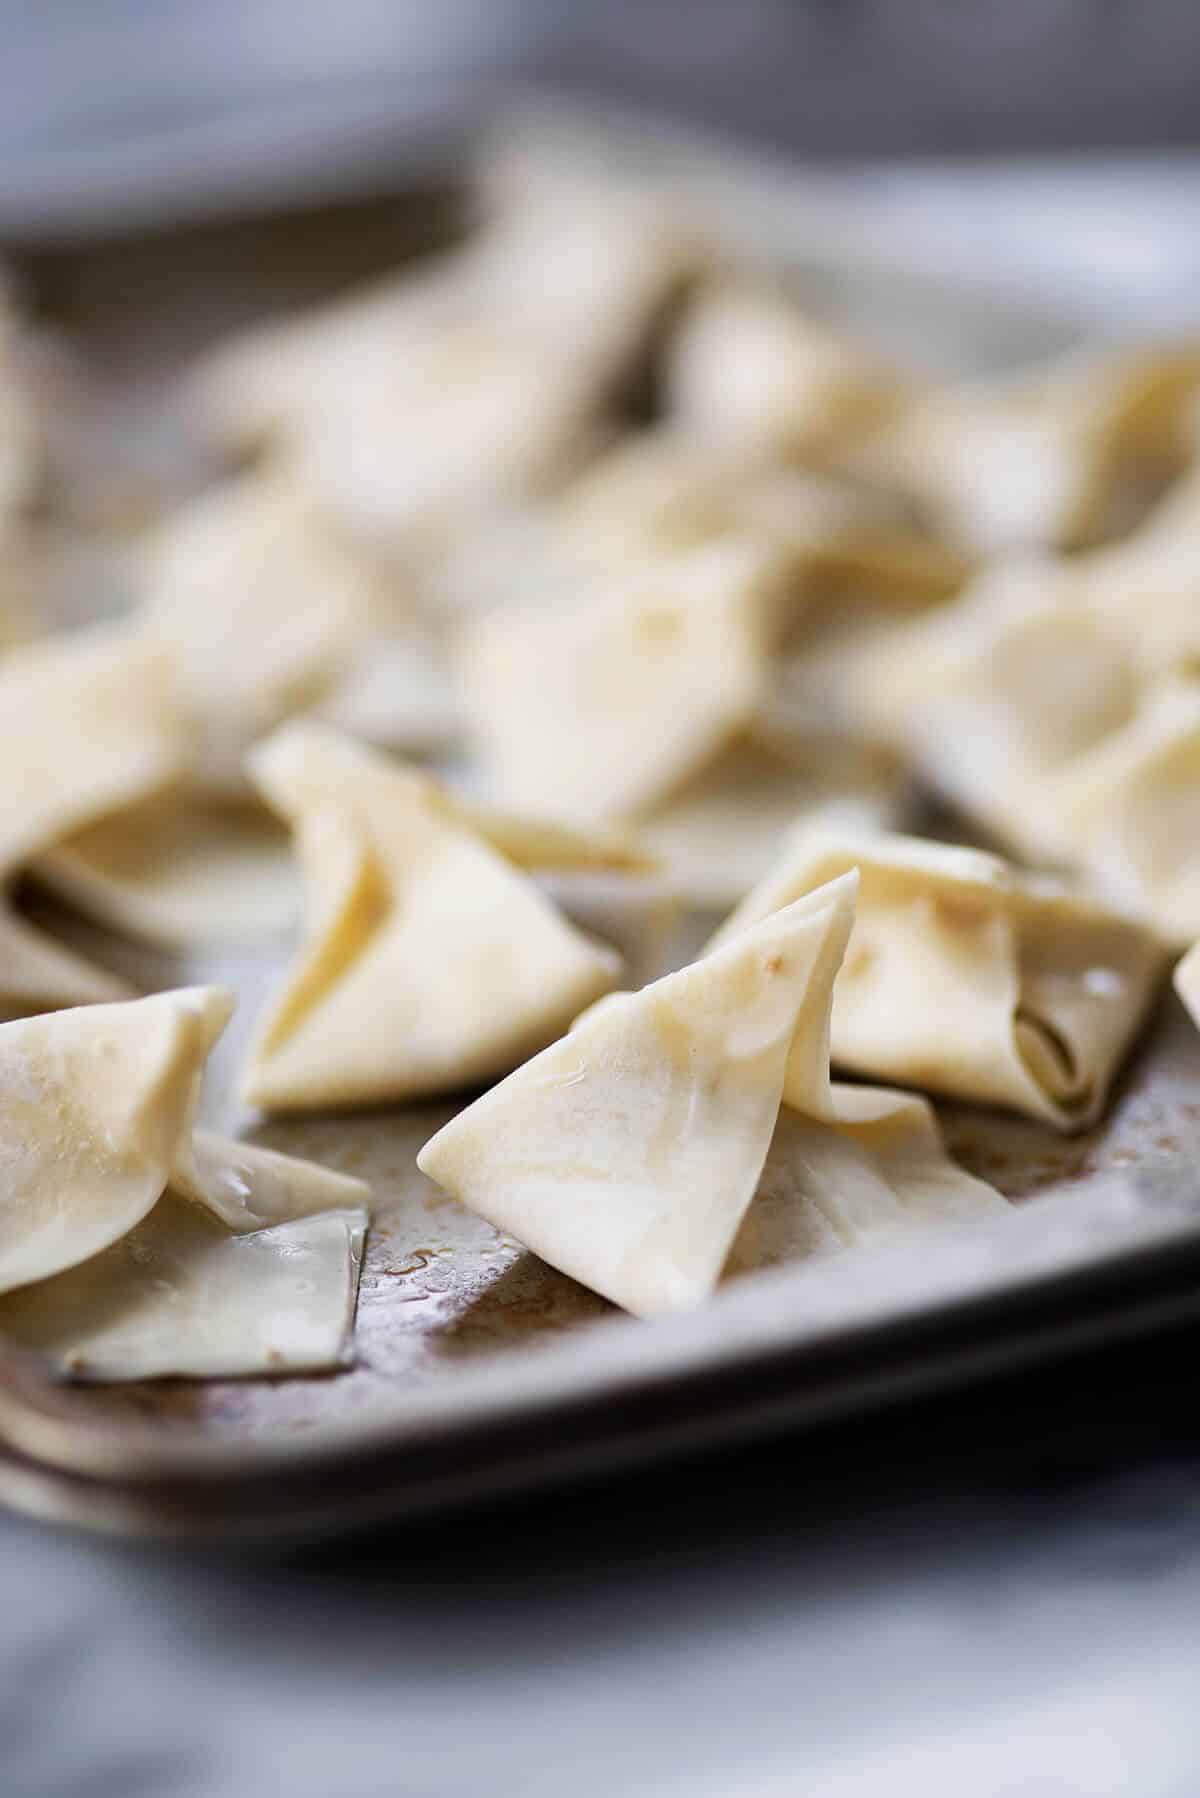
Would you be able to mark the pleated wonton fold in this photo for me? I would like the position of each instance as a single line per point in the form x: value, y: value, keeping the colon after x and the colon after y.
x: 970, y: 979
x: 629, y: 1153
x: 429, y: 961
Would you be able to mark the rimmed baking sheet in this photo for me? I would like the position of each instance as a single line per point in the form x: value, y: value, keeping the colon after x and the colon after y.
x: 479, y: 1368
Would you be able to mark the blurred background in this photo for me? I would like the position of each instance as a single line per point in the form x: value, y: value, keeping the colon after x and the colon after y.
x: 178, y: 96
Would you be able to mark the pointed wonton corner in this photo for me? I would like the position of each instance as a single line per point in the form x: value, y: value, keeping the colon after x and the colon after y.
x: 429, y: 961
x: 627, y: 1154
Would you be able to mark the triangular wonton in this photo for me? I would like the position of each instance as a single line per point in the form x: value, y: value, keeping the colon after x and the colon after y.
x: 429, y: 962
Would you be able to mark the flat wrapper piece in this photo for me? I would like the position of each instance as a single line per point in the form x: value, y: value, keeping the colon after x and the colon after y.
x: 180, y: 1295
x: 180, y: 869
x: 597, y: 707
x: 629, y: 1154
x: 264, y: 610
x: 87, y: 724
x: 143, y: 1247
x: 751, y: 372
x: 39, y: 974
x: 1130, y: 810
x: 93, y: 1104
x: 428, y: 963
x: 967, y: 978
x: 994, y: 694
x: 1045, y: 459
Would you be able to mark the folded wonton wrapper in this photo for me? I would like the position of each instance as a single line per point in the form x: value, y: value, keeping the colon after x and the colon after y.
x: 587, y: 282
x: 647, y: 700
x: 87, y: 724
x: 39, y: 974
x: 181, y: 1296
x: 118, y: 1281
x: 253, y: 565
x: 597, y: 707
x: 996, y: 692
x: 628, y: 1154
x: 750, y: 372
x: 964, y: 977
x: 405, y: 462
x: 481, y: 381
x: 1129, y: 809
x: 180, y: 869
x: 1045, y: 459
x: 429, y: 961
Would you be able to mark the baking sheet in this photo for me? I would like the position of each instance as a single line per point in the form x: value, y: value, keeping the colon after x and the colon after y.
x: 479, y: 1368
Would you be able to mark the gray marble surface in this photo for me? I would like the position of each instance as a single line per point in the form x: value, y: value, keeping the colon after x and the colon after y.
x: 994, y: 1596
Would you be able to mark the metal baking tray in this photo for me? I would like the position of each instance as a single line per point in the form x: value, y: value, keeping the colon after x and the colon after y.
x: 479, y: 1369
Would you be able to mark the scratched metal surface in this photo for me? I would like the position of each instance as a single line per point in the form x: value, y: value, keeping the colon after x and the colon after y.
x: 443, y: 1296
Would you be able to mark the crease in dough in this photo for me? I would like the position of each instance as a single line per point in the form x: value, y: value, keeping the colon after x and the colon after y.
x: 629, y: 1154
x: 133, y: 1245
x: 968, y: 979
x: 428, y: 962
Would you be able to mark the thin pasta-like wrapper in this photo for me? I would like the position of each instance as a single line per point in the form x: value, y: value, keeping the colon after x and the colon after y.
x: 720, y: 832
x: 629, y: 1154
x: 131, y: 1245
x: 968, y: 979
x: 994, y: 695
x: 597, y: 707
x: 405, y: 462
x: 1044, y: 460
x: 253, y: 563
x: 39, y: 974
x: 585, y: 281
x: 428, y: 962
x: 87, y: 724
x: 1129, y: 809
x: 180, y: 869
x: 179, y: 1295
x: 751, y: 372
x: 93, y: 1106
